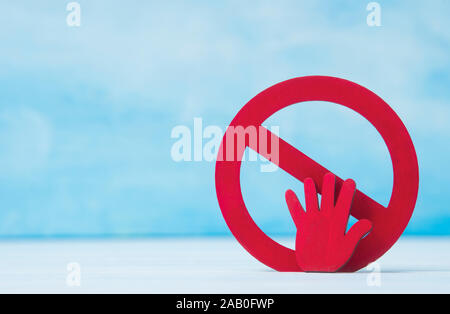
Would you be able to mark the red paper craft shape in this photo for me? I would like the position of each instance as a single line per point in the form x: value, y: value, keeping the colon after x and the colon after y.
x: 322, y: 243
x: 388, y: 222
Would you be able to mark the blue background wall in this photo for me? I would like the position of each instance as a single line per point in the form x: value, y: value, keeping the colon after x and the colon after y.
x: 86, y: 113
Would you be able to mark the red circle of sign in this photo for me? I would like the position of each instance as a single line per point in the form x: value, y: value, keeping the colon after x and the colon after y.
x: 389, y: 223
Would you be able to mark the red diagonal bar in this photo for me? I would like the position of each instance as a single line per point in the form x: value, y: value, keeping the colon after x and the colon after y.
x: 301, y: 167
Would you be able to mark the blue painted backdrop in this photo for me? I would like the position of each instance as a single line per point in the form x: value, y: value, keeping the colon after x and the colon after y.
x: 86, y: 112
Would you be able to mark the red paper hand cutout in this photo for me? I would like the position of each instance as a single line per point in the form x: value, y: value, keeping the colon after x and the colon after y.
x: 322, y: 244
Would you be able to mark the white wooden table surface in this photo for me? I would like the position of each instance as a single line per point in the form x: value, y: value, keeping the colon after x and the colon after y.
x: 210, y: 265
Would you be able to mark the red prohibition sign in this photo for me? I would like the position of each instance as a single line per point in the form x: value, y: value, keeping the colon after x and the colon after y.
x: 388, y: 223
